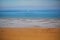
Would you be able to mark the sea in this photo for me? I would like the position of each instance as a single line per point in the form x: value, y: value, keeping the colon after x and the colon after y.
x: 30, y: 18
x: 30, y: 14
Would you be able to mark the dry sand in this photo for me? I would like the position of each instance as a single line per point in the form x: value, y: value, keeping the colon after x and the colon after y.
x: 29, y: 33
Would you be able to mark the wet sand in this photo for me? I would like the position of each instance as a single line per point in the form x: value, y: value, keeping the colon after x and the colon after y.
x: 29, y: 33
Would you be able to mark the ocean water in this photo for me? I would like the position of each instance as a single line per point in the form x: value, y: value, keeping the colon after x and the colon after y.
x: 30, y: 14
x: 41, y: 18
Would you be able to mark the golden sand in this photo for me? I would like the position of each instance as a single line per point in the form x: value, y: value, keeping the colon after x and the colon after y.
x: 29, y: 34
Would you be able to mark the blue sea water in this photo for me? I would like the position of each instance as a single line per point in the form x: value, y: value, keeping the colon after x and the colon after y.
x: 31, y: 14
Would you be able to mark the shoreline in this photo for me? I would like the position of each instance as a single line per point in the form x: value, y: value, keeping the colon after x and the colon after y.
x: 40, y: 23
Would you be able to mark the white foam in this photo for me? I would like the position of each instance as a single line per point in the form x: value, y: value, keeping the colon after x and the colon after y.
x: 11, y: 22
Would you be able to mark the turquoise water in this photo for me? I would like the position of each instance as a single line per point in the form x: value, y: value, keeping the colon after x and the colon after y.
x: 30, y: 14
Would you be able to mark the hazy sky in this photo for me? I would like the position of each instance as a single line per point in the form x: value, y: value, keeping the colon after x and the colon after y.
x: 26, y: 4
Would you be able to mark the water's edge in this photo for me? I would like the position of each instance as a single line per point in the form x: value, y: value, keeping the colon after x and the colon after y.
x: 28, y: 23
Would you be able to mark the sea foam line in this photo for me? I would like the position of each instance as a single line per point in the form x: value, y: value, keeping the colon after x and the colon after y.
x: 18, y: 22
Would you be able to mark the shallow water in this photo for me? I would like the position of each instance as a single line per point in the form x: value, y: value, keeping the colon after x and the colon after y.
x: 17, y: 22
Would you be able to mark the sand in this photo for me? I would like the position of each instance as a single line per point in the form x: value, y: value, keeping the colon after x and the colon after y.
x: 29, y: 33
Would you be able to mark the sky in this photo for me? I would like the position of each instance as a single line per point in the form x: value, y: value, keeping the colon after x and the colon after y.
x: 29, y: 4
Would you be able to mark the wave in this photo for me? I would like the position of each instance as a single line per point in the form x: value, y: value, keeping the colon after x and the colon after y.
x: 19, y: 22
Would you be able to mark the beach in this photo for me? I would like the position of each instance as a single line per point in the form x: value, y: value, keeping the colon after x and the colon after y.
x: 29, y: 33
x: 29, y: 29
x: 29, y: 20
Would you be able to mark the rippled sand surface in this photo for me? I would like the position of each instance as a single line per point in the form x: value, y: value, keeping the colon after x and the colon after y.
x: 29, y: 33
